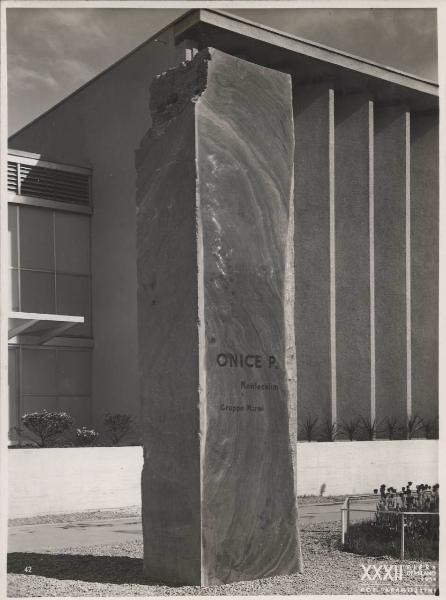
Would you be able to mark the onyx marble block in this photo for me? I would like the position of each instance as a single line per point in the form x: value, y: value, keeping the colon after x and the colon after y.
x: 215, y: 238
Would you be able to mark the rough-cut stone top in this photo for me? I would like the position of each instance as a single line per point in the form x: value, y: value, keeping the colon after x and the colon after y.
x: 172, y: 90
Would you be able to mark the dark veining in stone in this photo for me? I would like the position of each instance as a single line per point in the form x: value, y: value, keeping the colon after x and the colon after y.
x: 215, y: 268
x: 245, y: 158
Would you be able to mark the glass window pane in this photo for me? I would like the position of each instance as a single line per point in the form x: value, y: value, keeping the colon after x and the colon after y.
x: 72, y: 243
x: 14, y: 289
x: 36, y: 238
x: 37, y: 404
x: 77, y: 407
x: 73, y: 298
x: 37, y: 292
x: 12, y: 228
x: 73, y: 372
x: 38, y: 371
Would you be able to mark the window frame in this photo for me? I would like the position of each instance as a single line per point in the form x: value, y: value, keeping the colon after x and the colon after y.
x: 53, y: 205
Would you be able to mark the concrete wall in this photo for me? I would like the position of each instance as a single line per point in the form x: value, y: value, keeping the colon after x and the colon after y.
x: 54, y: 480
x: 312, y: 251
x: 101, y: 126
x: 50, y: 481
x: 360, y: 467
x: 424, y: 263
x: 390, y: 262
x: 366, y: 258
x: 352, y: 258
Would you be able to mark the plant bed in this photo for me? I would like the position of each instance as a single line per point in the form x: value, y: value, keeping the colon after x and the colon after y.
x: 369, y: 538
x: 405, y: 523
x: 58, y: 430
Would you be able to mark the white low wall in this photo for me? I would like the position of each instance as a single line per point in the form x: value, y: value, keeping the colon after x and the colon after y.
x: 59, y: 480
x: 62, y: 480
x: 359, y: 467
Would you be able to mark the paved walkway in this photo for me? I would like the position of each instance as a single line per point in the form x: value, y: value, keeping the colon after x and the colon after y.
x: 51, y: 536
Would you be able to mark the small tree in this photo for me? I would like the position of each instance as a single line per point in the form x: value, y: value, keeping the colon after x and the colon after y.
x: 47, y: 426
x: 117, y: 427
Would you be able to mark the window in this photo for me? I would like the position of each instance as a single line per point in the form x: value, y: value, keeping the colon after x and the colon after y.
x: 49, y: 253
x: 50, y: 263
x: 56, y: 379
x: 36, y: 238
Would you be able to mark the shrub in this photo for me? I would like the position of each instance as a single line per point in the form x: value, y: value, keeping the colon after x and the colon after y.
x: 421, y: 538
x: 350, y: 428
x: 381, y: 535
x: 369, y: 427
x: 86, y: 437
x: 309, y: 428
x: 413, y: 426
x: 330, y: 430
x: 117, y: 427
x: 392, y: 427
x: 430, y: 428
x: 47, y: 426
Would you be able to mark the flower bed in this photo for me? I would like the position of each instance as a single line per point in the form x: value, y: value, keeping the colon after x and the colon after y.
x: 414, y: 510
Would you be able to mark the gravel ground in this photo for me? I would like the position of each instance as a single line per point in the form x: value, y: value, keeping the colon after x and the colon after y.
x: 91, y: 515
x: 117, y: 571
x: 320, y: 499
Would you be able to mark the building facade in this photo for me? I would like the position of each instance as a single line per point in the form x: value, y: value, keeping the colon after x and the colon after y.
x: 50, y: 281
x: 366, y: 234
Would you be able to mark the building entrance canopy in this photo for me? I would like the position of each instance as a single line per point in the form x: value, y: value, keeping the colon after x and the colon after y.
x: 40, y: 326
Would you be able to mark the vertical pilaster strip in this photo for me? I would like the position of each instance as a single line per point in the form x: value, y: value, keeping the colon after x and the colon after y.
x: 408, y: 277
x: 331, y: 145
x: 372, y: 261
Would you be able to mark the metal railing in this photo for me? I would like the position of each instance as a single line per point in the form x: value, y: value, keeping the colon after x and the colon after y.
x: 347, y: 510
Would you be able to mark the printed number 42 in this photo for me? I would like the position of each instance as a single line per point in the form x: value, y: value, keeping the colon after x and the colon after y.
x: 28, y: 569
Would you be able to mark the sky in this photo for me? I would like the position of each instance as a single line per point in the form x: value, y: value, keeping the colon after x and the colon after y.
x: 53, y: 51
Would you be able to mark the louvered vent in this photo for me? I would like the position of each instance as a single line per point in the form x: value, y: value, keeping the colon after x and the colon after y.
x: 12, y: 177
x: 50, y: 184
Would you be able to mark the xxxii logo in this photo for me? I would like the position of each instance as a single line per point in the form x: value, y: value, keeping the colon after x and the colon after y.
x: 382, y: 572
